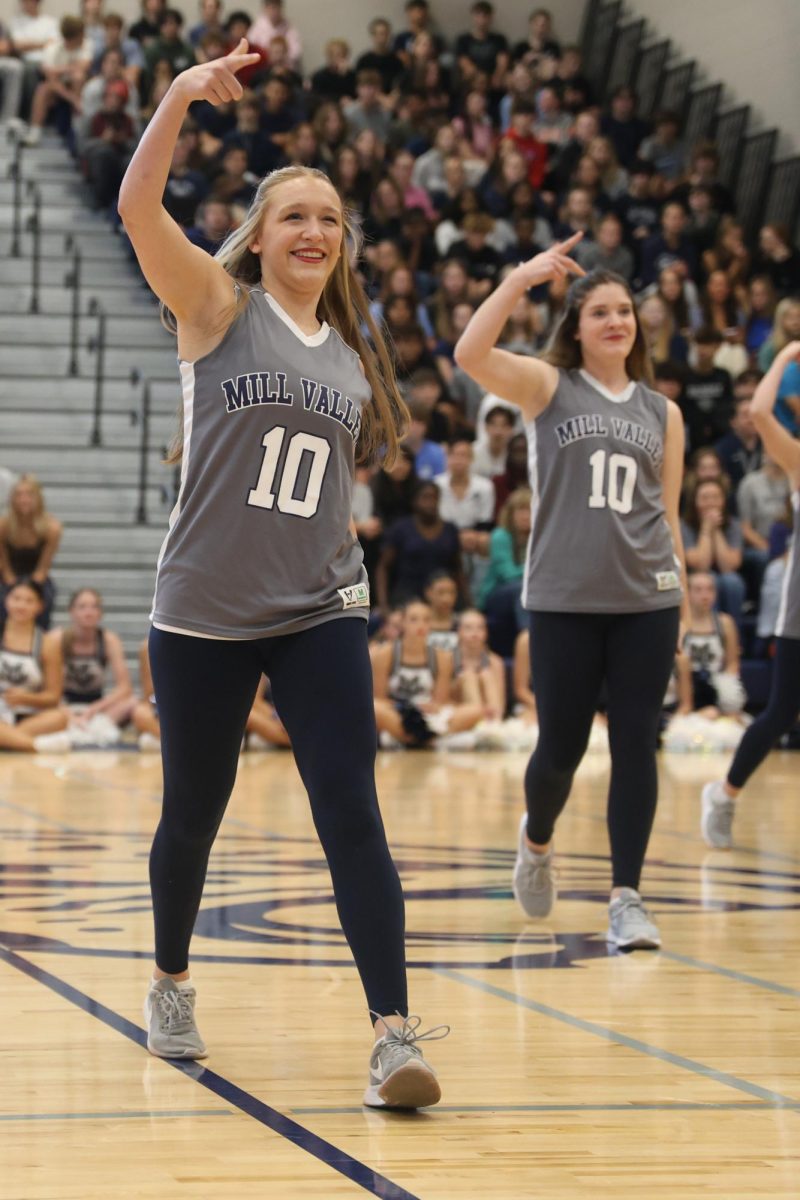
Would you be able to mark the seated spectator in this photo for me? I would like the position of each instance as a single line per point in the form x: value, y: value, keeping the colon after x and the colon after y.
x: 145, y: 711
x: 411, y: 353
x: 12, y: 74
x: 761, y: 501
x: 367, y: 111
x: 214, y: 223
x: 110, y: 143
x: 210, y: 22
x: 168, y: 47
x: 664, y: 147
x: 278, y: 118
x: 185, y: 188
x: 668, y: 380
x: 147, y: 28
x: 713, y: 542
x: 587, y: 175
x: 740, y: 449
x: 381, y: 57
x: 663, y: 341
x: 778, y: 258
x: 613, y: 177
x: 337, y: 79
x: 574, y: 86
x: 711, y: 646
x: 112, y: 70
x: 707, y: 391
x: 429, y: 168
x: 479, y: 675
x: 680, y: 296
x: 729, y: 255
x: 400, y: 282
x: 429, y: 459
x: 330, y: 130
x: 704, y: 173
x: 263, y: 155
x: 760, y: 314
x: 89, y: 653
x: 466, y: 498
x: 702, y: 226
x: 785, y: 329
x: 393, y: 488
x: 516, y: 472
x: 401, y: 167
x: 418, y: 19
x: 64, y: 66
x: 499, y: 186
x: 128, y: 48
x: 500, y: 591
x: 301, y: 147
x: 441, y: 596
x: 622, y: 126
x: 482, y: 48
x: 670, y: 247
x: 638, y: 208
x: 606, y: 252
x: 234, y: 183
x: 416, y: 546
x: 31, y: 31
x: 383, y: 220
x: 522, y: 332
x: 30, y: 672
x: 577, y: 215
x: 540, y: 42
x: 29, y: 539
x: 494, y: 436
x: 704, y: 465
x: 552, y: 126
x: 475, y: 129
x: 519, y: 84
x: 270, y: 23
x: 236, y: 27
x: 412, y: 683
x: 521, y: 136
x: 481, y: 261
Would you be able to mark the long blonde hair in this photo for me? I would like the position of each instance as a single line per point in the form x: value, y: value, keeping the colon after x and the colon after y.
x: 343, y: 304
x: 40, y: 518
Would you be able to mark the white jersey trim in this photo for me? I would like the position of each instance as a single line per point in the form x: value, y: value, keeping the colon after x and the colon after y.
x: 780, y: 623
x: 621, y: 398
x: 187, y: 387
x: 308, y: 339
x: 209, y: 637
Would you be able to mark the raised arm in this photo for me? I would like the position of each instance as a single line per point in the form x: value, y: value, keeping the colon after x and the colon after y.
x: 524, y: 381
x: 778, y: 442
x: 187, y: 279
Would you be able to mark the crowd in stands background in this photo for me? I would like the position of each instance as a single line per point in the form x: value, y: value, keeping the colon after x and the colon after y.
x: 460, y: 154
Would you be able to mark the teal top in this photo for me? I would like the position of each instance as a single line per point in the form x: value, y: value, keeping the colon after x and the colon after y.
x: 502, y: 566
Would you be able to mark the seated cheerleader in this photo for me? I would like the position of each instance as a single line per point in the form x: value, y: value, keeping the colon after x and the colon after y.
x: 89, y: 651
x: 264, y: 721
x: 479, y: 676
x: 441, y: 593
x: 711, y: 646
x: 145, y: 711
x: 30, y: 674
x: 412, y: 683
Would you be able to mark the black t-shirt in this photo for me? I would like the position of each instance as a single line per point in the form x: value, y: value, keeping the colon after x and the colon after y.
x: 331, y: 85
x: 484, y: 263
x: 707, y: 405
x: 483, y: 52
x: 183, y: 194
x: 144, y: 30
x: 388, y: 65
x: 626, y: 136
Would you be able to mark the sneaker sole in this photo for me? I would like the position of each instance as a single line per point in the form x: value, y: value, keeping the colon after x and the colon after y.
x: 408, y: 1087
x: 707, y: 809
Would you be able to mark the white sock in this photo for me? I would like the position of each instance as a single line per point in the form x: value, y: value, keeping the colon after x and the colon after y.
x: 181, y: 984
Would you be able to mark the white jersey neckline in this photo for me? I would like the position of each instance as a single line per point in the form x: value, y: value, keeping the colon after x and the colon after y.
x: 308, y: 339
x: 621, y: 398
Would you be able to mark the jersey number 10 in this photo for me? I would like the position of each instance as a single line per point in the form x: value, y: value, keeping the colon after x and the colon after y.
x: 616, y: 490
x: 262, y: 495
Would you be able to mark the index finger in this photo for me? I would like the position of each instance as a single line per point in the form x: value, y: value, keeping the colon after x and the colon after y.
x: 564, y: 247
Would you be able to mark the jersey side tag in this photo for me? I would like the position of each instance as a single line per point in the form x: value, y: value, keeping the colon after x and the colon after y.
x: 667, y: 580
x: 356, y: 596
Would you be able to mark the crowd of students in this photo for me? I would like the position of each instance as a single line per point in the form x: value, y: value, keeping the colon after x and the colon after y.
x: 459, y: 157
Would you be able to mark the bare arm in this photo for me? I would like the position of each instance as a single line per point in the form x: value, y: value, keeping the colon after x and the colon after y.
x: 6, y: 573
x: 120, y: 674
x: 778, y: 442
x: 731, y: 639
x: 726, y: 557
x: 444, y: 677
x: 381, y: 661
x: 190, y: 282
x: 683, y: 672
x: 52, y: 539
x: 522, y: 672
x: 53, y: 678
x: 524, y: 381
x: 671, y: 483
x: 145, y: 676
x: 493, y: 678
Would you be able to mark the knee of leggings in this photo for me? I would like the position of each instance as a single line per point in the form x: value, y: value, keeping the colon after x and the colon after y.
x: 347, y: 813
x: 550, y: 775
x: 189, y: 830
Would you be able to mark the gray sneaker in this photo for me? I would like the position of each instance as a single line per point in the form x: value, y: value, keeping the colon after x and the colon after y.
x: 399, y: 1077
x: 629, y: 926
x: 717, y: 816
x: 169, y: 1017
x: 534, y: 879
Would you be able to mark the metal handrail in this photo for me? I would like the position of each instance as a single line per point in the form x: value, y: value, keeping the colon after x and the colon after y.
x: 35, y: 229
x: 15, y: 173
x: 144, y: 419
x: 97, y: 345
x: 72, y: 280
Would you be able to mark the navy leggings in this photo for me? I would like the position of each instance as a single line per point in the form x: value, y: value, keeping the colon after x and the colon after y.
x: 776, y: 719
x: 572, y: 656
x: 322, y: 689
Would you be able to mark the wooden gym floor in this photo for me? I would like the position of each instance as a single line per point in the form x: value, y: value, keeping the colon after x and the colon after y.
x: 570, y: 1072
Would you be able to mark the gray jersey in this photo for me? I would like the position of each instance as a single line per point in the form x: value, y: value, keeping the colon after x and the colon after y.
x: 599, y: 541
x: 788, y: 622
x: 258, y: 543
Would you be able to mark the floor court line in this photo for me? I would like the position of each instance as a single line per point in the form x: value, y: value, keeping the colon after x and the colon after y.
x: 740, y: 977
x: 325, y: 1152
x: 143, y: 1115
x: 621, y: 1039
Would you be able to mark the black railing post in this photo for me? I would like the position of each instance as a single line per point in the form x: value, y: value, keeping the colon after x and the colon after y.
x: 97, y: 344
x: 73, y: 280
x: 15, y: 171
x: 141, y: 512
x: 35, y: 227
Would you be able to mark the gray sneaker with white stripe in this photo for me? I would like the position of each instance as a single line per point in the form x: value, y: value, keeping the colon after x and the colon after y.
x: 716, y: 819
x: 629, y: 926
x: 399, y: 1077
x: 169, y: 1017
